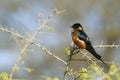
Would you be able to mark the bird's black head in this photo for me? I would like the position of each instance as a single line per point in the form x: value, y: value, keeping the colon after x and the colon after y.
x: 76, y: 25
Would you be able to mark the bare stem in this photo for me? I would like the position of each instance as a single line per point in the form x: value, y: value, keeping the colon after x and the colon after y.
x: 27, y: 44
x: 36, y: 44
x: 107, y: 46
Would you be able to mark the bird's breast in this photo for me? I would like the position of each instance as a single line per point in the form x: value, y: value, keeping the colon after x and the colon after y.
x: 77, y: 41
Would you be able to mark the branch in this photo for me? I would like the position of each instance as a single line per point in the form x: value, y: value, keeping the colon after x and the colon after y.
x: 107, y: 46
x: 34, y: 43
x: 47, y: 51
x: 115, y: 71
x: 27, y: 44
x: 90, y: 59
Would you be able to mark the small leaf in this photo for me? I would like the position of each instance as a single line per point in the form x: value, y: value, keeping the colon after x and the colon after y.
x: 69, y: 70
x: 24, y: 53
x: 17, y: 69
x: 67, y: 50
x: 112, y: 68
x: 56, y: 78
x: 29, y: 36
x: 83, y: 73
x: 17, y: 31
x: 56, y: 9
x: 83, y: 70
x: 48, y: 78
x: 50, y: 28
x: 28, y: 69
x: 96, y: 68
x: 22, y: 62
x: 4, y: 76
x: 12, y: 29
x: 91, y: 75
x: 117, y: 76
x: 107, y: 77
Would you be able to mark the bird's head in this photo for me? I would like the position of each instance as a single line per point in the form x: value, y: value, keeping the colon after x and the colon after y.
x: 77, y: 26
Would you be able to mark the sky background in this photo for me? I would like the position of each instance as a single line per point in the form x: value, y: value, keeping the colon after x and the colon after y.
x: 100, y: 20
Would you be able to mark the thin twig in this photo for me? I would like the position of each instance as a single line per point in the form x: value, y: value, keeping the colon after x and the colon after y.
x: 116, y: 70
x: 27, y: 44
x: 107, y: 46
x: 29, y: 41
x: 90, y: 59
x: 47, y: 51
x: 34, y: 43
x: 84, y: 53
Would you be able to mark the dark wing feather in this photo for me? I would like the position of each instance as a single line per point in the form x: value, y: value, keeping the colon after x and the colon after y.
x: 83, y: 36
x: 92, y: 51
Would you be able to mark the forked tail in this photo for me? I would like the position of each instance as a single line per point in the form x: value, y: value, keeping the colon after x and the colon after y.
x: 104, y: 64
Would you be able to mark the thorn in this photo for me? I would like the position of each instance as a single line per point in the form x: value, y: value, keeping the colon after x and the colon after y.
x: 101, y: 43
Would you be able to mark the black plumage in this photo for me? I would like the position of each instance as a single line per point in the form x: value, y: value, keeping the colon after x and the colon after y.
x: 83, y: 36
x: 81, y: 39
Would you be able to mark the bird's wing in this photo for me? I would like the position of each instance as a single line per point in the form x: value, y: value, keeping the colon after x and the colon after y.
x: 83, y: 36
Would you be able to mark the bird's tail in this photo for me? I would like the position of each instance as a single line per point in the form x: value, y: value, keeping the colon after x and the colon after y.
x: 96, y: 55
x: 105, y: 64
x: 93, y: 52
x: 99, y: 58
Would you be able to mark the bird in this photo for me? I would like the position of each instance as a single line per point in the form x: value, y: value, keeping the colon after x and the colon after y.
x: 81, y: 40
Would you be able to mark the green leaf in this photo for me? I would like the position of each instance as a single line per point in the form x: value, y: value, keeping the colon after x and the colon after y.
x: 17, y: 31
x: 50, y: 28
x: 69, y: 70
x: 117, y: 76
x: 48, y: 78
x: 56, y: 78
x: 3, y: 76
x: 112, y: 68
x: 17, y: 69
x: 28, y: 69
x: 22, y: 62
x: 83, y: 74
x: 96, y: 68
x: 67, y: 50
x: 91, y: 75
x: 83, y: 70
x: 29, y: 36
x: 24, y: 53
x: 12, y: 29
x: 107, y: 77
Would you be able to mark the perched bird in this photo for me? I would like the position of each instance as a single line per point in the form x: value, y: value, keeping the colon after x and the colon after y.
x: 81, y: 39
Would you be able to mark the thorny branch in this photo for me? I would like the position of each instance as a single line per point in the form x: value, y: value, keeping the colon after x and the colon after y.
x: 47, y: 51
x: 34, y: 43
x: 74, y: 49
x: 107, y: 46
x: 115, y: 71
x: 27, y: 44
x: 84, y: 54
x: 30, y: 41
x: 37, y: 44
x: 90, y: 59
